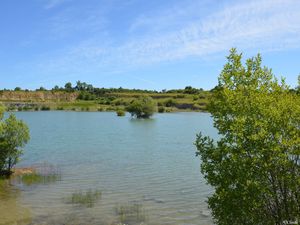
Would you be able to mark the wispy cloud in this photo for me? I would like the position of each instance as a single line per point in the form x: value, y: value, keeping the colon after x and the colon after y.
x: 53, y: 3
x: 73, y: 21
x: 178, y: 33
x: 264, y: 25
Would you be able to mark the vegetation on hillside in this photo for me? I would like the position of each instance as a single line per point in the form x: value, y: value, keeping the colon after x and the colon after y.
x: 254, y: 167
x: 83, y: 95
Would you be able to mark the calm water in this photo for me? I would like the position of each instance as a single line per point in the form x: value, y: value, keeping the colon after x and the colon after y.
x: 149, y: 162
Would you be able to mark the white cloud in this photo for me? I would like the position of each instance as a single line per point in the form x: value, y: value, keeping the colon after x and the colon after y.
x: 53, y: 3
x: 263, y: 25
x: 260, y: 25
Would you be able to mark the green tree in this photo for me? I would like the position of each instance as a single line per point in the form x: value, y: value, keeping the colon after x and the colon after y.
x: 41, y: 89
x: 14, y: 134
x: 254, y: 166
x: 68, y: 86
x: 56, y: 88
x: 143, y: 107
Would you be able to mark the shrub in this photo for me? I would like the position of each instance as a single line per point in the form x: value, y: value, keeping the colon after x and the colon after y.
x: 120, y: 112
x: 143, y: 107
x: 161, y: 109
x: 86, y: 96
x: 110, y: 108
x: 160, y: 104
x: 180, y: 96
x: 45, y: 108
x: 170, y: 102
x: 27, y: 108
x: 11, y: 108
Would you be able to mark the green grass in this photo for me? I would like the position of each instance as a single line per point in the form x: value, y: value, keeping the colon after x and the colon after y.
x: 87, y: 199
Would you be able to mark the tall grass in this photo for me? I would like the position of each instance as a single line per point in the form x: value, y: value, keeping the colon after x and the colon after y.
x: 87, y: 199
x: 39, y: 174
x: 35, y: 178
x: 131, y: 213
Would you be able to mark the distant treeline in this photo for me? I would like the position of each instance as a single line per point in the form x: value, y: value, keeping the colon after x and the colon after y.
x: 83, y: 86
x: 89, y: 92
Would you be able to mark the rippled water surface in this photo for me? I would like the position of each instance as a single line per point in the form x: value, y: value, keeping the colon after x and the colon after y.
x: 149, y: 163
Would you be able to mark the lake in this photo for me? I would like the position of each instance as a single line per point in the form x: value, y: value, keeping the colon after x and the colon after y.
x: 150, y: 164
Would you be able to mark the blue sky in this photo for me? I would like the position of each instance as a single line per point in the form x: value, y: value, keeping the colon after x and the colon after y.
x: 141, y: 43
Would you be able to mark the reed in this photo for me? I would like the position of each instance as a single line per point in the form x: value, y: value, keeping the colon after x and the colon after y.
x: 130, y: 213
x: 87, y: 199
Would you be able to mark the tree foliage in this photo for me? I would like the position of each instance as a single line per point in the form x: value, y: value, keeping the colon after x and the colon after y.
x: 14, y: 134
x: 143, y: 107
x: 254, y: 167
x: 68, y: 86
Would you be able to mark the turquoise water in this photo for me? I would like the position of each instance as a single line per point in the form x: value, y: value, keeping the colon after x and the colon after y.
x: 147, y: 162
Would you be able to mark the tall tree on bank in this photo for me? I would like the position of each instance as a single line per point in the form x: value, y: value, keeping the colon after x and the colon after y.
x: 14, y: 134
x: 254, y: 167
